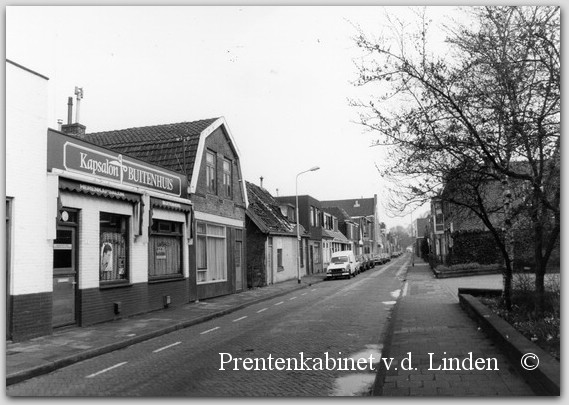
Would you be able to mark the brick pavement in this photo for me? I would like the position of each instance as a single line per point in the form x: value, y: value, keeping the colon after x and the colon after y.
x: 428, y: 319
x: 66, y: 346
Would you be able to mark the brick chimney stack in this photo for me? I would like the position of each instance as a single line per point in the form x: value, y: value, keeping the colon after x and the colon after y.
x: 74, y: 129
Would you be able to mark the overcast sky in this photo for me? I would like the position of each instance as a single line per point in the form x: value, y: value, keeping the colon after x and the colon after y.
x: 281, y: 77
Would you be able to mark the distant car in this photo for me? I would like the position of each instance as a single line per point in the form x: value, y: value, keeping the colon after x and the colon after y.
x: 368, y: 262
x: 377, y: 259
x: 359, y: 262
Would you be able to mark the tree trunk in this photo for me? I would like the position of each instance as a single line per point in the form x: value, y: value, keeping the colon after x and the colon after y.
x: 508, y: 244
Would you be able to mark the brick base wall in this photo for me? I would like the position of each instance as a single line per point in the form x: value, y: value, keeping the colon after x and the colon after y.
x: 178, y: 291
x: 31, y: 316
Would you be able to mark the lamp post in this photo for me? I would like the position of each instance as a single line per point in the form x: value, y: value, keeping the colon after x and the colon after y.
x: 298, y: 225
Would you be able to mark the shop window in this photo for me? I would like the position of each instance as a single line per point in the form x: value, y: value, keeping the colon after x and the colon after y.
x: 211, y: 170
x: 113, y: 247
x: 227, y: 178
x: 165, y: 249
x: 211, y: 253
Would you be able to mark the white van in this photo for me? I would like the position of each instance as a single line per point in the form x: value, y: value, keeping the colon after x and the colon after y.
x: 342, y: 264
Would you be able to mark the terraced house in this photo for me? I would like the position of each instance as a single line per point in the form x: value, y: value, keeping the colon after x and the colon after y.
x: 273, y: 252
x: 206, y: 154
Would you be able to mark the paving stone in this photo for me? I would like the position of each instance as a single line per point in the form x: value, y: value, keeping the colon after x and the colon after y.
x: 429, y: 320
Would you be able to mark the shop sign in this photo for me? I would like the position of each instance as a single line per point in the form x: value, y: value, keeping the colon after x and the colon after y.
x: 115, y: 167
x: 161, y: 252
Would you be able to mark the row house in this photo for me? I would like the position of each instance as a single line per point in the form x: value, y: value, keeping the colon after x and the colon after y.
x: 310, y: 217
x: 206, y: 154
x: 364, y: 212
x: 346, y: 227
x: 273, y: 251
x: 332, y: 239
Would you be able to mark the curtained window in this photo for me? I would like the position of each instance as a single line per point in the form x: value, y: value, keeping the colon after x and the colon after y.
x: 211, y: 253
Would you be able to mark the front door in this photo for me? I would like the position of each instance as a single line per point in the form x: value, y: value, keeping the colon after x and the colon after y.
x: 238, y: 268
x: 64, y: 276
x: 311, y: 267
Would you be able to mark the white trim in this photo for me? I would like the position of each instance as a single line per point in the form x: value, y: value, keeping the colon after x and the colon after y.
x: 199, y: 154
x: 211, y: 282
x: 203, y: 216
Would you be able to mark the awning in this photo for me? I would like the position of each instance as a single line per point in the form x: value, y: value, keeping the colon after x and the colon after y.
x: 170, y: 205
x: 86, y: 188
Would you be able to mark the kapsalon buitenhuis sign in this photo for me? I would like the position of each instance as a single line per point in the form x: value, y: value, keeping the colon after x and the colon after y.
x: 84, y: 158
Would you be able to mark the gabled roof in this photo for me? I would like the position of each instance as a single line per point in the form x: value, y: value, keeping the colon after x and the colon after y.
x: 264, y: 210
x: 358, y: 207
x: 337, y: 236
x: 339, y: 213
x: 177, y: 147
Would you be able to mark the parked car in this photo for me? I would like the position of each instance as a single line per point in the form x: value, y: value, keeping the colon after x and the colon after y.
x: 342, y: 264
x: 368, y: 262
x: 359, y: 261
x: 377, y: 259
x: 381, y: 258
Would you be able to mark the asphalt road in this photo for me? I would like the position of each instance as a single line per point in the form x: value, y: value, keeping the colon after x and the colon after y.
x: 261, y: 350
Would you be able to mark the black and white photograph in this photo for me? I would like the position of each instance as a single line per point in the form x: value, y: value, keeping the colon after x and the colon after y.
x: 282, y: 201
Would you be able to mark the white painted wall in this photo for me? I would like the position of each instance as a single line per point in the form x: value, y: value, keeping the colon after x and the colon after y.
x: 89, y: 249
x: 288, y: 245
x: 31, y: 255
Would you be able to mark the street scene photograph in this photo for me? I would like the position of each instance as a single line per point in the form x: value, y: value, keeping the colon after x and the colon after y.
x: 294, y: 201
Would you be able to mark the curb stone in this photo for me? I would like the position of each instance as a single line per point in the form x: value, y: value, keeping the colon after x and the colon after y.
x: 387, y: 338
x: 32, y: 372
x: 545, y: 379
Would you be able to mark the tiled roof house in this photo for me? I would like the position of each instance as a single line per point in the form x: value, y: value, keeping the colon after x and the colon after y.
x: 206, y: 152
x: 363, y: 211
x: 272, y: 250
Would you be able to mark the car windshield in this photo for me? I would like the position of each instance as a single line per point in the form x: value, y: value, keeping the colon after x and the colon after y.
x: 340, y: 259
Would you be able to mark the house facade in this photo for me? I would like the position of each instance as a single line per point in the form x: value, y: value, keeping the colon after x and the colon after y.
x: 273, y: 254
x: 310, y: 217
x: 92, y: 235
x: 205, y: 153
x: 332, y: 239
x: 364, y: 212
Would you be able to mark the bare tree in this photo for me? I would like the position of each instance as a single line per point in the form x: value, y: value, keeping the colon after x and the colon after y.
x: 489, y: 102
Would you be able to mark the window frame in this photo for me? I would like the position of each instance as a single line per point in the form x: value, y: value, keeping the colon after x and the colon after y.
x: 175, y: 231
x: 227, y: 179
x: 206, y: 237
x: 211, y: 172
x: 127, y: 249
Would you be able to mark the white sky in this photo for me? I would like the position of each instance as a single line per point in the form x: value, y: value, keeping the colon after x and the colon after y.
x: 279, y: 75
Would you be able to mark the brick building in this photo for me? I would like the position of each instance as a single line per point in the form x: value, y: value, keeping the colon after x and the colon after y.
x: 273, y: 253
x: 364, y: 212
x: 310, y: 217
x: 206, y: 154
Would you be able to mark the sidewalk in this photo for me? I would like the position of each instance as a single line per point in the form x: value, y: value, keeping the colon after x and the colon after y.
x: 45, y: 354
x: 428, y: 319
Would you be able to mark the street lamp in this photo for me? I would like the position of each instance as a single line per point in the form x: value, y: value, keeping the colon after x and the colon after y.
x: 298, y: 225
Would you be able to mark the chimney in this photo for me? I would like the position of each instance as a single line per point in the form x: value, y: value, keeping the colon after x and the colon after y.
x: 261, y: 181
x: 75, y: 129
x: 59, y: 124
